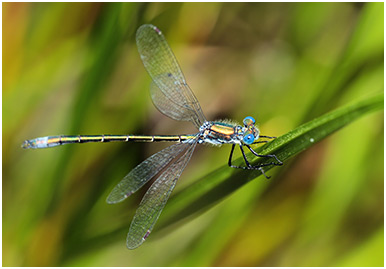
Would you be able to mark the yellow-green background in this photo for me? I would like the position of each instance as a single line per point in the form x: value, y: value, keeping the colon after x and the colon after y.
x: 73, y: 68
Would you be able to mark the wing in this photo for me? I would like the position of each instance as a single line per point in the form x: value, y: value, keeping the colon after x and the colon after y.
x: 143, y: 172
x: 163, y: 68
x: 169, y: 107
x: 155, y: 199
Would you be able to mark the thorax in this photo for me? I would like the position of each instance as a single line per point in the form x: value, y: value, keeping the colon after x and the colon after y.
x: 217, y: 133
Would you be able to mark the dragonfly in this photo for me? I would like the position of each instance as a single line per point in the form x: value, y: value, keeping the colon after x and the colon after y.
x: 172, y: 96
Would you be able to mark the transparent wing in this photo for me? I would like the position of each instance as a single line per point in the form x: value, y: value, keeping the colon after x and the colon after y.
x: 154, y: 201
x: 171, y: 108
x: 143, y: 172
x: 163, y: 68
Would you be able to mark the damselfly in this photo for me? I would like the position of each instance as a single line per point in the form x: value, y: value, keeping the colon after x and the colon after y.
x: 173, y: 97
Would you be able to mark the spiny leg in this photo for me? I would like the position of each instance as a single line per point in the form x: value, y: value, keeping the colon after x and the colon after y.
x: 235, y: 166
x: 267, y: 156
x: 249, y: 166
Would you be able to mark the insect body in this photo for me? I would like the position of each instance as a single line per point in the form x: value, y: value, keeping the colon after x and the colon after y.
x: 172, y: 97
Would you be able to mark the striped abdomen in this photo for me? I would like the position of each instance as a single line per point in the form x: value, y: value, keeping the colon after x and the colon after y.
x: 53, y: 141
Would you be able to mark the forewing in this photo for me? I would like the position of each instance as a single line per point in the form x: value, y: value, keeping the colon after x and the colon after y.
x: 143, y: 172
x: 163, y: 68
x: 154, y: 201
x: 169, y: 107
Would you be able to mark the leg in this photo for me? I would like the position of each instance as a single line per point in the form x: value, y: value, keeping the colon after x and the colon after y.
x: 267, y: 156
x: 230, y: 157
x: 265, y: 141
x: 255, y: 167
x: 270, y: 137
x: 245, y: 159
x: 249, y: 166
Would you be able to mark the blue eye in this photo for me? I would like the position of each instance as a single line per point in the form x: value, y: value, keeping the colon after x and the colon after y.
x: 249, y: 119
x: 248, y: 139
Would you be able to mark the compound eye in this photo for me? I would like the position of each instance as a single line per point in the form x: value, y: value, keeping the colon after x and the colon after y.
x: 248, y: 139
x: 248, y: 120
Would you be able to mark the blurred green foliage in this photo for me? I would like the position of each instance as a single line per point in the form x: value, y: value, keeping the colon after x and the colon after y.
x: 73, y: 68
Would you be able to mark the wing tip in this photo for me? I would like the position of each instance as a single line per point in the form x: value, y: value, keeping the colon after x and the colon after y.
x: 133, y: 244
x: 151, y: 26
x: 115, y: 198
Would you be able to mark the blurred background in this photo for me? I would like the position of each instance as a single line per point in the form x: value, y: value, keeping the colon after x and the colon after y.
x: 73, y: 68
